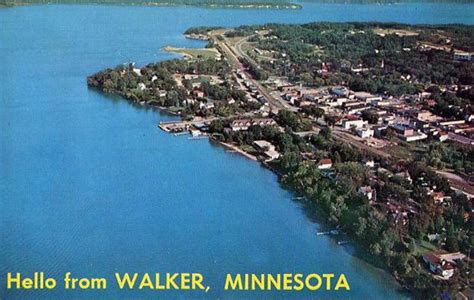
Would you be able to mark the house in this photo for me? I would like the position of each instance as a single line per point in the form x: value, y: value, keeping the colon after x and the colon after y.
x: 195, y: 132
x: 367, y: 191
x: 417, y: 136
x: 357, y: 109
x: 438, y: 266
x: 198, y: 94
x: 431, y: 102
x: 405, y: 175
x: 162, y: 93
x: 267, y: 148
x: 190, y: 76
x: 339, y: 91
x: 325, y: 164
x: 206, y: 105
x: 462, y: 56
x: 265, y: 110
x: 448, y: 124
x: 442, y: 136
x: 402, y: 129
x: 433, y: 237
x: 442, y: 264
x: 438, y: 197
x: 348, y: 124
x: 369, y: 163
x: 202, y: 127
x: 141, y: 86
x: 379, y: 131
x: 425, y: 116
x: 137, y: 71
x: 244, y: 124
x: 263, y: 122
x: 367, y: 97
x: 365, y: 132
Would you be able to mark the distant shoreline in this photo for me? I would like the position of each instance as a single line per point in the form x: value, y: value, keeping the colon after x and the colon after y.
x: 291, y: 6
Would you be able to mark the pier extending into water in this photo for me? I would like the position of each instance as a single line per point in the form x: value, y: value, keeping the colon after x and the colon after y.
x: 183, y: 125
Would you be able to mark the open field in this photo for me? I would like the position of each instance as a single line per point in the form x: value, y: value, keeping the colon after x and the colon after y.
x: 399, y: 32
x: 194, y: 52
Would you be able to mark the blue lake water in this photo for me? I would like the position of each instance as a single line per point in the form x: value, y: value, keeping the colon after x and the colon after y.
x: 89, y: 185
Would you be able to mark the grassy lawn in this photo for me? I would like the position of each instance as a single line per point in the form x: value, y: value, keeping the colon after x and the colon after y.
x: 424, y: 246
x: 193, y: 53
x: 399, y: 151
x: 175, y: 109
x: 249, y: 149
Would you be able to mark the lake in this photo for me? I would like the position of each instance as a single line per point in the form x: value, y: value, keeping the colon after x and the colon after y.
x: 89, y: 185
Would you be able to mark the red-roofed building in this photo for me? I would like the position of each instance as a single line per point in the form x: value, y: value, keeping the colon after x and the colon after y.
x: 325, y: 164
x: 442, y: 264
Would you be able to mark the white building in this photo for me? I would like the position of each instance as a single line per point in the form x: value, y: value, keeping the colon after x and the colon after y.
x: 365, y: 132
x: 267, y: 148
x: 141, y: 86
x: 348, y: 124
x: 417, y: 136
x: 367, y: 191
x: 325, y: 164
x: 462, y: 56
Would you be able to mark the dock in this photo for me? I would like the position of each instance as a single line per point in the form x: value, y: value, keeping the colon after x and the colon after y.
x: 185, y: 126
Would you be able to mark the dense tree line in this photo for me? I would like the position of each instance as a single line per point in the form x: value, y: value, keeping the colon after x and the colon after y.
x: 201, y: 29
x: 393, y: 64
x: 390, y: 243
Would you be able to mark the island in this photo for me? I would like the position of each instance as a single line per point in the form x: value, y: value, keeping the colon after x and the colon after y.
x: 371, y: 123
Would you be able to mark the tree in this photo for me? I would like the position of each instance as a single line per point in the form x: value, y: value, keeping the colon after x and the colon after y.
x: 326, y: 132
x: 289, y: 161
x: 370, y: 116
x: 361, y: 227
x: 288, y: 118
x: 216, y: 126
x: 375, y: 249
x: 312, y: 110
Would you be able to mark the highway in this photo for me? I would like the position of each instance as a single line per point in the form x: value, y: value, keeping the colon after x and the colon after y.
x: 233, y: 55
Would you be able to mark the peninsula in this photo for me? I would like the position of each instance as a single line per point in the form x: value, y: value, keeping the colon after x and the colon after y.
x: 371, y: 122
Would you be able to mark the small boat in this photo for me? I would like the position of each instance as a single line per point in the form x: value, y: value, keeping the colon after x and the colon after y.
x: 343, y: 242
x: 181, y: 133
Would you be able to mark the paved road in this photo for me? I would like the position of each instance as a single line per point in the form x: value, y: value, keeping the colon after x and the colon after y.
x: 458, y: 182
x: 460, y: 139
x: 348, y: 138
x: 233, y: 54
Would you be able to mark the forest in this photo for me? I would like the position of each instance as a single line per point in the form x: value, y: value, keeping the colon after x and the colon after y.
x: 384, y: 58
x: 390, y: 242
x: 146, y: 85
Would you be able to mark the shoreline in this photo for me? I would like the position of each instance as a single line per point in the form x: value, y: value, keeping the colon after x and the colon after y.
x: 235, y: 149
x: 325, y: 183
x: 189, y: 53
